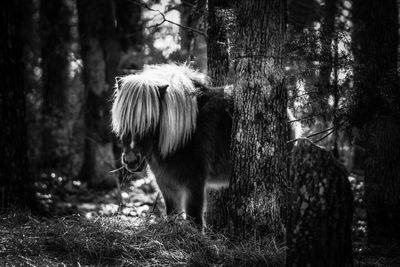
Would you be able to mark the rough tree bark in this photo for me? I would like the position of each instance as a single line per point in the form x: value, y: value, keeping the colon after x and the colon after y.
x: 60, y: 90
x: 95, y: 18
x: 256, y: 199
x: 16, y: 182
x: 259, y: 174
x: 376, y: 111
x: 319, y: 228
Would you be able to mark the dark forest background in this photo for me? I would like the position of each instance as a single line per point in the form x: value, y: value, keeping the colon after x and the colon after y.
x: 59, y: 60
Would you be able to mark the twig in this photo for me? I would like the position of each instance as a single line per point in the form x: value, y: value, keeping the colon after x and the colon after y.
x: 305, y: 94
x: 320, y: 132
x: 116, y: 170
x: 311, y: 135
x: 303, y: 119
x: 315, y: 115
x: 329, y: 130
x: 164, y: 19
x: 325, y: 136
x: 188, y: 4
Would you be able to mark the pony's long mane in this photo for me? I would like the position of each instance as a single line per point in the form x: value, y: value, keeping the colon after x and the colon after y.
x: 139, y: 108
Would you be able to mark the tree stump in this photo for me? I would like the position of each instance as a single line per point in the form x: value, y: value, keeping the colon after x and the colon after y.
x: 319, y: 227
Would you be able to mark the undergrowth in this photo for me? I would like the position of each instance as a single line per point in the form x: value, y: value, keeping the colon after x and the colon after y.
x: 112, y: 241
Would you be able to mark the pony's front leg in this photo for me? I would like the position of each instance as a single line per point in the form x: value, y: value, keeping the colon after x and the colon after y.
x: 170, y: 205
x: 173, y: 197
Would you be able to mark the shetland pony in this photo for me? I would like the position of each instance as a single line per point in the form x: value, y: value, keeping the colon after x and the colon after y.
x: 168, y: 116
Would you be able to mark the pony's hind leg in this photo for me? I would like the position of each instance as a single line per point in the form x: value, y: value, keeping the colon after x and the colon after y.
x: 195, y: 204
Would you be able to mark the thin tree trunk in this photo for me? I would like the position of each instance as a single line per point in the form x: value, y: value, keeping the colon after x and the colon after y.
x: 327, y: 37
x: 33, y: 85
x: 129, y: 27
x: 324, y: 86
x: 16, y: 181
x: 376, y: 111
x: 190, y: 19
x: 217, y: 46
x: 94, y: 19
x: 336, y: 96
x: 218, y: 70
x: 193, y: 48
x: 55, y: 20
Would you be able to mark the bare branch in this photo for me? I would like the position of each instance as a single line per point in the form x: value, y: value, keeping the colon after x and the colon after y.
x: 305, y: 94
x: 329, y: 130
x: 325, y: 136
x: 320, y: 132
x: 186, y: 3
x: 164, y: 19
x: 305, y: 118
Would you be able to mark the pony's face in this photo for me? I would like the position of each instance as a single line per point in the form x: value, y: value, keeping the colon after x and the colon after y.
x: 135, y: 149
x: 133, y: 154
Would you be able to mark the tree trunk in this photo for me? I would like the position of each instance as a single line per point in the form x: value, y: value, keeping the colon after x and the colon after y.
x: 327, y: 36
x: 16, y: 181
x: 190, y: 19
x: 129, y: 27
x: 217, y: 46
x: 336, y: 98
x: 130, y: 36
x: 33, y: 92
x: 319, y: 101
x: 59, y: 111
x: 256, y: 199
x: 218, y: 70
x: 193, y: 47
x: 376, y: 106
x: 319, y: 229
x: 95, y: 25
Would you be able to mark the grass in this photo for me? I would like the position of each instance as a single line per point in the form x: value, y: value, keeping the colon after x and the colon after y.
x: 111, y: 241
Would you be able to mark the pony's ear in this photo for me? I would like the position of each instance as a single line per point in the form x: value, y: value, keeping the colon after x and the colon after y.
x: 162, y: 89
x: 118, y: 83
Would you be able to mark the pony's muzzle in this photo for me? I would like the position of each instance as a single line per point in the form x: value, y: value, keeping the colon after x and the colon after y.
x: 133, y: 162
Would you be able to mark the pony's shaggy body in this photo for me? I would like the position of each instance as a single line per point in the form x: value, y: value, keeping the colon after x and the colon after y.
x: 181, y: 126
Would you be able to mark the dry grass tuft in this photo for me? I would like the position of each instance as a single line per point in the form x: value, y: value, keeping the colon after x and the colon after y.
x: 111, y: 241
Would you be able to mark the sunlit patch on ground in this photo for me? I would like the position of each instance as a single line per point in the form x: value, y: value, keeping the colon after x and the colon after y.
x: 137, y: 199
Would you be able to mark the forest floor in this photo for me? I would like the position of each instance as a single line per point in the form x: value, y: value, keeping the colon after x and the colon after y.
x: 387, y: 253
x: 99, y: 231
x: 125, y: 228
